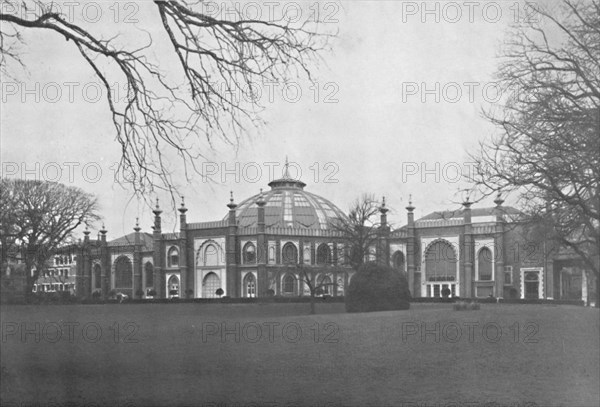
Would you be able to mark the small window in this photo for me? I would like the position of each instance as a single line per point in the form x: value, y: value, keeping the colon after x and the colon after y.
x: 249, y: 253
x: 508, y: 275
x: 173, y: 257
x: 290, y: 254
x: 271, y: 254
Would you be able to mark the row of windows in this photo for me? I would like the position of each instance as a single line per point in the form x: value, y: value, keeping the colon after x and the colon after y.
x: 64, y: 260
x: 56, y: 272
x: 289, y: 254
x: 44, y: 288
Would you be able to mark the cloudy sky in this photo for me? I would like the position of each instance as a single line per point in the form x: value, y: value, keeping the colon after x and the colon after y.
x: 397, y: 109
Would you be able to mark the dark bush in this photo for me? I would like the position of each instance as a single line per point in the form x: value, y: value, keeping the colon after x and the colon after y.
x: 377, y: 288
x: 446, y: 292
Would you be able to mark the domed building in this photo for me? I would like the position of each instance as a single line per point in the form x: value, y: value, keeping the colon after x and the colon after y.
x: 259, y: 248
x: 272, y: 242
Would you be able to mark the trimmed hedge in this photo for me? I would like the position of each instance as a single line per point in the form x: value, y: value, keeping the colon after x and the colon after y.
x: 377, y: 288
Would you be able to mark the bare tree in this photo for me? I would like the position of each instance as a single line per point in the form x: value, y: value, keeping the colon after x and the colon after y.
x: 218, y: 59
x: 316, y: 286
x: 360, y: 230
x: 39, y: 217
x: 547, y: 150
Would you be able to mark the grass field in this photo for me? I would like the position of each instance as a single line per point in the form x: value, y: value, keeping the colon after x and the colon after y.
x: 276, y: 354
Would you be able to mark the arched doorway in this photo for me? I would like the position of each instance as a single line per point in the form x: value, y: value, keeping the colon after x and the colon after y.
x: 173, y: 286
x: 440, y: 269
x: 249, y: 286
x: 210, y: 285
x: 532, y: 285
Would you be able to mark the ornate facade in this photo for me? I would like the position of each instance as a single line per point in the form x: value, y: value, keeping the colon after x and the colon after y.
x: 262, y: 244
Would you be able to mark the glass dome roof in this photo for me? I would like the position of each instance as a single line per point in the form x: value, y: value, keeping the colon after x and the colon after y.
x: 289, y: 205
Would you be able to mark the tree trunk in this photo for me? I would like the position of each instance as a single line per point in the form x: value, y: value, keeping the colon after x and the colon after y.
x: 597, y: 290
x: 312, y: 304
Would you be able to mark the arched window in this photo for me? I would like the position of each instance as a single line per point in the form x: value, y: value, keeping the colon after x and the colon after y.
x: 173, y: 257
x: 290, y: 254
x: 97, y: 277
x: 484, y: 264
x: 323, y: 254
x: 249, y: 253
x: 271, y: 254
x: 123, y: 273
x: 250, y: 285
x: 440, y: 262
x: 326, y: 285
x: 210, y: 285
x: 288, y: 284
x: 398, y: 260
x: 211, y: 255
x: 149, y: 271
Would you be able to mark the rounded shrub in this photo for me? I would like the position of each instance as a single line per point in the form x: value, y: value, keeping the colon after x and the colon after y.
x: 377, y: 288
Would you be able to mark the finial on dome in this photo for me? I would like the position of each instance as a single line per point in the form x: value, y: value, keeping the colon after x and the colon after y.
x: 87, y: 230
x: 103, y: 230
x: 286, y: 168
x: 137, y: 225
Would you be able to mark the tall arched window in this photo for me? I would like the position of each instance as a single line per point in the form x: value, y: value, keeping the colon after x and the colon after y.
x: 288, y: 284
x: 123, y: 273
x: 249, y: 253
x: 290, y: 254
x: 398, y: 260
x: 173, y: 257
x: 250, y: 285
x: 271, y: 254
x: 323, y: 254
x: 440, y: 262
x: 149, y: 271
x: 484, y: 264
x: 97, y: 277
x: 211, y: 255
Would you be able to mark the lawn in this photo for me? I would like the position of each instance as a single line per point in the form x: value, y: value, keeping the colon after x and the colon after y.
x: 276, y: 354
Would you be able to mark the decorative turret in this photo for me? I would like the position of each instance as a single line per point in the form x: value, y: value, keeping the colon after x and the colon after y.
x: 182, y: 218
x: 410, y: 208
x: 157, y: 221
x: 260, y: 202
x: 86, y: 233
x: 383, y: 210
x: 231, y: 205
x: 103, y: 232
x: 137, y: 225
x: 499, y: 201
x: 467, y: 212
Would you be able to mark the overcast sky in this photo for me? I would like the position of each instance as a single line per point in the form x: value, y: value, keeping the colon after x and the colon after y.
x: 380, y: 130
